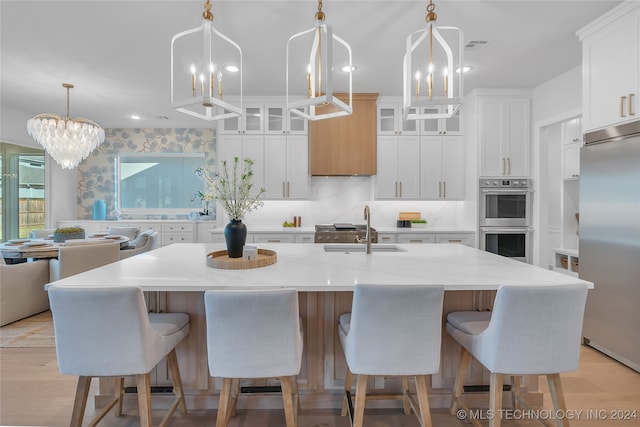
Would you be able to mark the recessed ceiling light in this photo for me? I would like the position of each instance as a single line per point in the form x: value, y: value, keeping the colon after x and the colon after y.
x: 134, y: 117
x: 346, y: 68
x: 232, y: 68
x: 465, y: 69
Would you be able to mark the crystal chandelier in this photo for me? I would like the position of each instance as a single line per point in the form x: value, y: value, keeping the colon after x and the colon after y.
x: 197, y: 71
x: 442, y: 97
x: 68, y: 141
x: 321, y: 101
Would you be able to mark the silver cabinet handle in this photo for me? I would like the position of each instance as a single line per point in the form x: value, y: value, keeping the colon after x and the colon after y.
x: 504, y: 168
x: 509, y: 164
x: 444, y: 187
x: 439, y: 188
x: 288, y: 189
x: 400, y: 188
x: 631, y: 112
x: 284, y: 194
x: 395, y: 193
x: 622, y: 101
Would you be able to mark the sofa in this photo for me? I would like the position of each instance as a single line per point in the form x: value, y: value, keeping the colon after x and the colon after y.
x: 22, y: 291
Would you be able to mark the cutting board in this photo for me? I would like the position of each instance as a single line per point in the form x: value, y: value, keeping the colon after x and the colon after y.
x: 409, y: 215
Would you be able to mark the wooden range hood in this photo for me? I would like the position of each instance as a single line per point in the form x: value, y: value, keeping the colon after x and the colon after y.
x: 345, y: 146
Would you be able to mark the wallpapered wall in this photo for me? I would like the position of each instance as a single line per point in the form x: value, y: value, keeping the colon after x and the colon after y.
x: 96, y: 174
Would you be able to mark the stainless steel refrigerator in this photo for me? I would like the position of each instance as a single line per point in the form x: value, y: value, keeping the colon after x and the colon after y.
x: 609, y: 240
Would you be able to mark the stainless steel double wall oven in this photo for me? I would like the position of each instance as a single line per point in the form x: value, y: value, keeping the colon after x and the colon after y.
x: 505, y: 217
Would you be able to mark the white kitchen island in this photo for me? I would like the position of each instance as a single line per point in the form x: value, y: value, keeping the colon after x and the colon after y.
x: 175, y: 277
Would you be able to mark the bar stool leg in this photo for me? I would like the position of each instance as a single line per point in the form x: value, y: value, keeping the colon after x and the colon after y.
x: 557, y: 397
x: 176, y: 379
x: 405, y: 395
x: 223, y: 405
x: 80, y: 402
x: 347, y: 388
x: 495, y: 399
x: 465, y: 358
x: 287, y: 398
x: 423, y: 401
x: 143, y: 383
x: 361, y: 398
x: 118, y: 392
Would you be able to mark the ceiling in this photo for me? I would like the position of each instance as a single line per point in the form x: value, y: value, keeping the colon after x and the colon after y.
x: 117, y: 53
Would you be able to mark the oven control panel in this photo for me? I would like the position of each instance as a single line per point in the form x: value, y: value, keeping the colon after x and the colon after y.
x: 505, y: 183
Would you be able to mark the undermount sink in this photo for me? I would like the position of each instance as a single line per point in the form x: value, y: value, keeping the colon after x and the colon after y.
x: 361, y: 248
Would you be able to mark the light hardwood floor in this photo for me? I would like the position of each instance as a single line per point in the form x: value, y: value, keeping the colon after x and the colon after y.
x: 33, y: 393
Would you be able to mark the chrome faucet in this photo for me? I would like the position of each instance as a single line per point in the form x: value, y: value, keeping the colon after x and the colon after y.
x: 367, y: 216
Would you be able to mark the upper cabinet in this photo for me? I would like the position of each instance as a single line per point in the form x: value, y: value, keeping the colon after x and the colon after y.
x: 251, y: 122
x: 571, y: 144
x: 610, y: 68
x: 449, y: 126
x: 505, y: 135
x: 242, y: 147
x: 442, y: 161
x: 286, y: 167
x: 345, y: 145
x: 277, y: 142
x: 398, y: 174
x: 280, y: 121
x: 391, y: 122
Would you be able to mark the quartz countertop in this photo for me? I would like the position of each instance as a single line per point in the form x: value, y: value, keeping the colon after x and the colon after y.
x: 307, y: 267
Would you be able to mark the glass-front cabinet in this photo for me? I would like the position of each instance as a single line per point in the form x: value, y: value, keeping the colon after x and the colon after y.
x: 447, y: 126
x: 391, y: 122
x: 251, y: 122
x: 279, y: 120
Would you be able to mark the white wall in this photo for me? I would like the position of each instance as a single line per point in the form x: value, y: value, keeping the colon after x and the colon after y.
x: 13, y: 128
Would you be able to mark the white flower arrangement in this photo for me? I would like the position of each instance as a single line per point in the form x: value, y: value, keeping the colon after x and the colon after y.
x: 232, y: 188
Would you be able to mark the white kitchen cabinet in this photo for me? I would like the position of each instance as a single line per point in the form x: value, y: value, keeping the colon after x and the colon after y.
x: 391, y: 122
x: 571, y: 160
x: 610, y: 68
x: 274, y: 238
x: 571, y: 144
x: 286, y: 166
x: 398, y: 174
x: 243, y: 147
x: 448, y: 126
x: 467, y: 239
x: 504, y: 133
x: 281, y: 121
x: 251, y: 122
x: 387, y: 238
x: 442, y: 168
x: 416, y: 238
x: 304, y: 238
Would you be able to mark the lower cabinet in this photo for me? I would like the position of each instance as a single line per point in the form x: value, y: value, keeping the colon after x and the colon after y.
x: 273, y: 238
x: 467, y: 239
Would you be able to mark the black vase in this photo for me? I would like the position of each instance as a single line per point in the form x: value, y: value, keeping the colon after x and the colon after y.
x: 235, y: 234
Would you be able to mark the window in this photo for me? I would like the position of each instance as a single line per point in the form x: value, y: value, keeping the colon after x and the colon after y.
x: 158, y: 183
x: 21, y: 191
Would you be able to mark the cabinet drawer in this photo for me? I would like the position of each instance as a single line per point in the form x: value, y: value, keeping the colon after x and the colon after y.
x: 273, y: 238
x: 463, y: 239
x: 168, y: 228
x: 168, y: 238
x: 421, y: 238
x: 304, y: 238
x: 386, y: 238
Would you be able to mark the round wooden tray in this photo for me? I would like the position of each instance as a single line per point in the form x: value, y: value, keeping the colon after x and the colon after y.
x: 220, y: 259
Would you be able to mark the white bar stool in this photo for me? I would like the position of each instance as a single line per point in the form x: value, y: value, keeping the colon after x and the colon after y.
x: 106, y: 332
x: 254, y: 334
x: 531, y: 331
x: 392, y: 330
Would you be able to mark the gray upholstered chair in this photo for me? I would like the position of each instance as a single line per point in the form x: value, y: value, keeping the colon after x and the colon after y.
x: 126, y: 231
x: 531, y: 331
x: 41, y: 233
x: 146, y: 241
x: 107, y: 332
x: 392, y: 330
x: 22, y: 291
x: 75, y: 259
x: 254, y: 334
